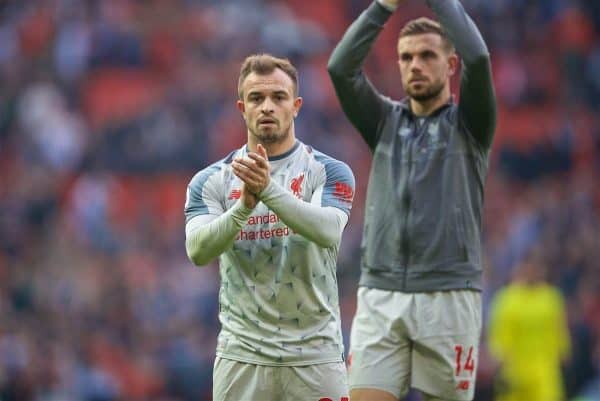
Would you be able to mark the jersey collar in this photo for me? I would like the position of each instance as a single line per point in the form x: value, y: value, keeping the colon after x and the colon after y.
x: 281, y: 156
x: 405, y: 106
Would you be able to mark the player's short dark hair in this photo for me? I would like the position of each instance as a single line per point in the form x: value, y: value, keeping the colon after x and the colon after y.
x: 263, y: 64
x: 425, y: 25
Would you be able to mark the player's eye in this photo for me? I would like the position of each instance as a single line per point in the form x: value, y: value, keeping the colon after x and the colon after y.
x: 429, y: 55
x: 405, y: 57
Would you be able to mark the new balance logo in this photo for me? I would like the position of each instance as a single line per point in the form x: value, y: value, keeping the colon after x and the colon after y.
x: 235, y: 194
x: 463, y: 385
x: 343, y: 192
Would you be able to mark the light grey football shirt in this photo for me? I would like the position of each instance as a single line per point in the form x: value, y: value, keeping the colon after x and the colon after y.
x: 278, y: 300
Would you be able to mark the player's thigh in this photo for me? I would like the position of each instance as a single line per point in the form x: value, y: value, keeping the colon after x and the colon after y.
x: 321, y: 382
x: 380, y: 350
x: 445, y: 367
x: 444, y: 357
x: 236, y: 381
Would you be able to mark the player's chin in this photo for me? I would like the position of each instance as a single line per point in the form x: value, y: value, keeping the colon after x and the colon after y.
x: 421, y: 95
x: 267, y: 128
x: 269, y: 136
x: 416, y: 90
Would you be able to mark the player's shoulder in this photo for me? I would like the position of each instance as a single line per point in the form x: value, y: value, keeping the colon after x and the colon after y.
x: 328, y: 163
x: 337, y: 177
x: 212, y: 170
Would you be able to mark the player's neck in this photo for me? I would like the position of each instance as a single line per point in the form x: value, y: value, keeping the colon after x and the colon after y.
x: 275, y: 149
x: 425, y: 108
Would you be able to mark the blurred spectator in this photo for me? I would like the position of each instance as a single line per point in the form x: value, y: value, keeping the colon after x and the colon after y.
x: 529, y: 338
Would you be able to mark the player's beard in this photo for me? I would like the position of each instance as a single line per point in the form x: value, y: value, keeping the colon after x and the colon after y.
x: 275, y: 135
x: 431, y: 92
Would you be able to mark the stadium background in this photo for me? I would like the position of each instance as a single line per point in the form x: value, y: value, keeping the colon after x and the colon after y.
x: 107, y: 108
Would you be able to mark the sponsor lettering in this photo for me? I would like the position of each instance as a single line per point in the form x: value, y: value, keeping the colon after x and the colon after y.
x: 263, y: 234
x: 269, y: 218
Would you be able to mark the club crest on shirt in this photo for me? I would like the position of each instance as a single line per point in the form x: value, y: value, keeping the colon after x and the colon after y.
x: 296, y: 185
x: 434, y: 133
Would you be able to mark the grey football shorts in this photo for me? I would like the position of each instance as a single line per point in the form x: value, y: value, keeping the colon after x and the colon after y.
x: 426, y: 341
x: 240, y: 381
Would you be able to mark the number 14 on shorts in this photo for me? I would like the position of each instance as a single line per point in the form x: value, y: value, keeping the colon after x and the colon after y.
x: 464, y: 360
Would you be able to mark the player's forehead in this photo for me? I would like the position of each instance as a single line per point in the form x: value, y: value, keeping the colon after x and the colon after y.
x: 420, y: 42
x: 275, y: 81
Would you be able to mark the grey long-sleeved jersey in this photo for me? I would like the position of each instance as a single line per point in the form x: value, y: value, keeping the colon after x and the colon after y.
x: 425, y: 197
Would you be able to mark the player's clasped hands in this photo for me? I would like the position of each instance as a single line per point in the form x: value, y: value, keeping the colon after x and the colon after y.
x: 254, y: 170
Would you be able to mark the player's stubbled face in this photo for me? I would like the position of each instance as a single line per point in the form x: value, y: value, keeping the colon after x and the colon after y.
x: 424, y: 65
x: 269, y: 105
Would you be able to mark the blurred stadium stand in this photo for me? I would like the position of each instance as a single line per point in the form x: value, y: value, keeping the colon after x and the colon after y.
x: 108, y: 107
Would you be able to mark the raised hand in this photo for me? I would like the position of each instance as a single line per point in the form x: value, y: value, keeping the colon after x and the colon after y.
x: 392, y: 4
x: 254, y: 170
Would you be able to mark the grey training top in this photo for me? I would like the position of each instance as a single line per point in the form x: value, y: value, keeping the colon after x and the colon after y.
x: 425, y: 195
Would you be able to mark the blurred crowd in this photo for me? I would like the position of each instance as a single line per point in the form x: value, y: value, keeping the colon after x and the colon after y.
x: 108, y: 108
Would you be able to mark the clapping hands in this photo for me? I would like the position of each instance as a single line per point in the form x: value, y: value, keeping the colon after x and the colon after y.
x: 254, y: 171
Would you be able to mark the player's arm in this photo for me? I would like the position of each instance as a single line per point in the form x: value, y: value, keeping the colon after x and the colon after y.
x: 322, y: 225
x: 320, y: 221
x: 210, y: 230
x: 364, y: 106
x: 324, y: 218
x: 477, y: 105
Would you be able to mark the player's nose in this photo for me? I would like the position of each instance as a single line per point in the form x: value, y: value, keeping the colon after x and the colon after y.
x: 416, y: 64
x: 267, y: 106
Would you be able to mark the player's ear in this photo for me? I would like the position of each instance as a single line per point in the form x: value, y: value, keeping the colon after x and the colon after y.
x: 452, y: 63
x: 241, y: 106
x: 297, y: 105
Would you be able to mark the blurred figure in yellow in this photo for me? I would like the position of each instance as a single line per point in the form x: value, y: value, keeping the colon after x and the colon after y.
x: 528, y: 335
